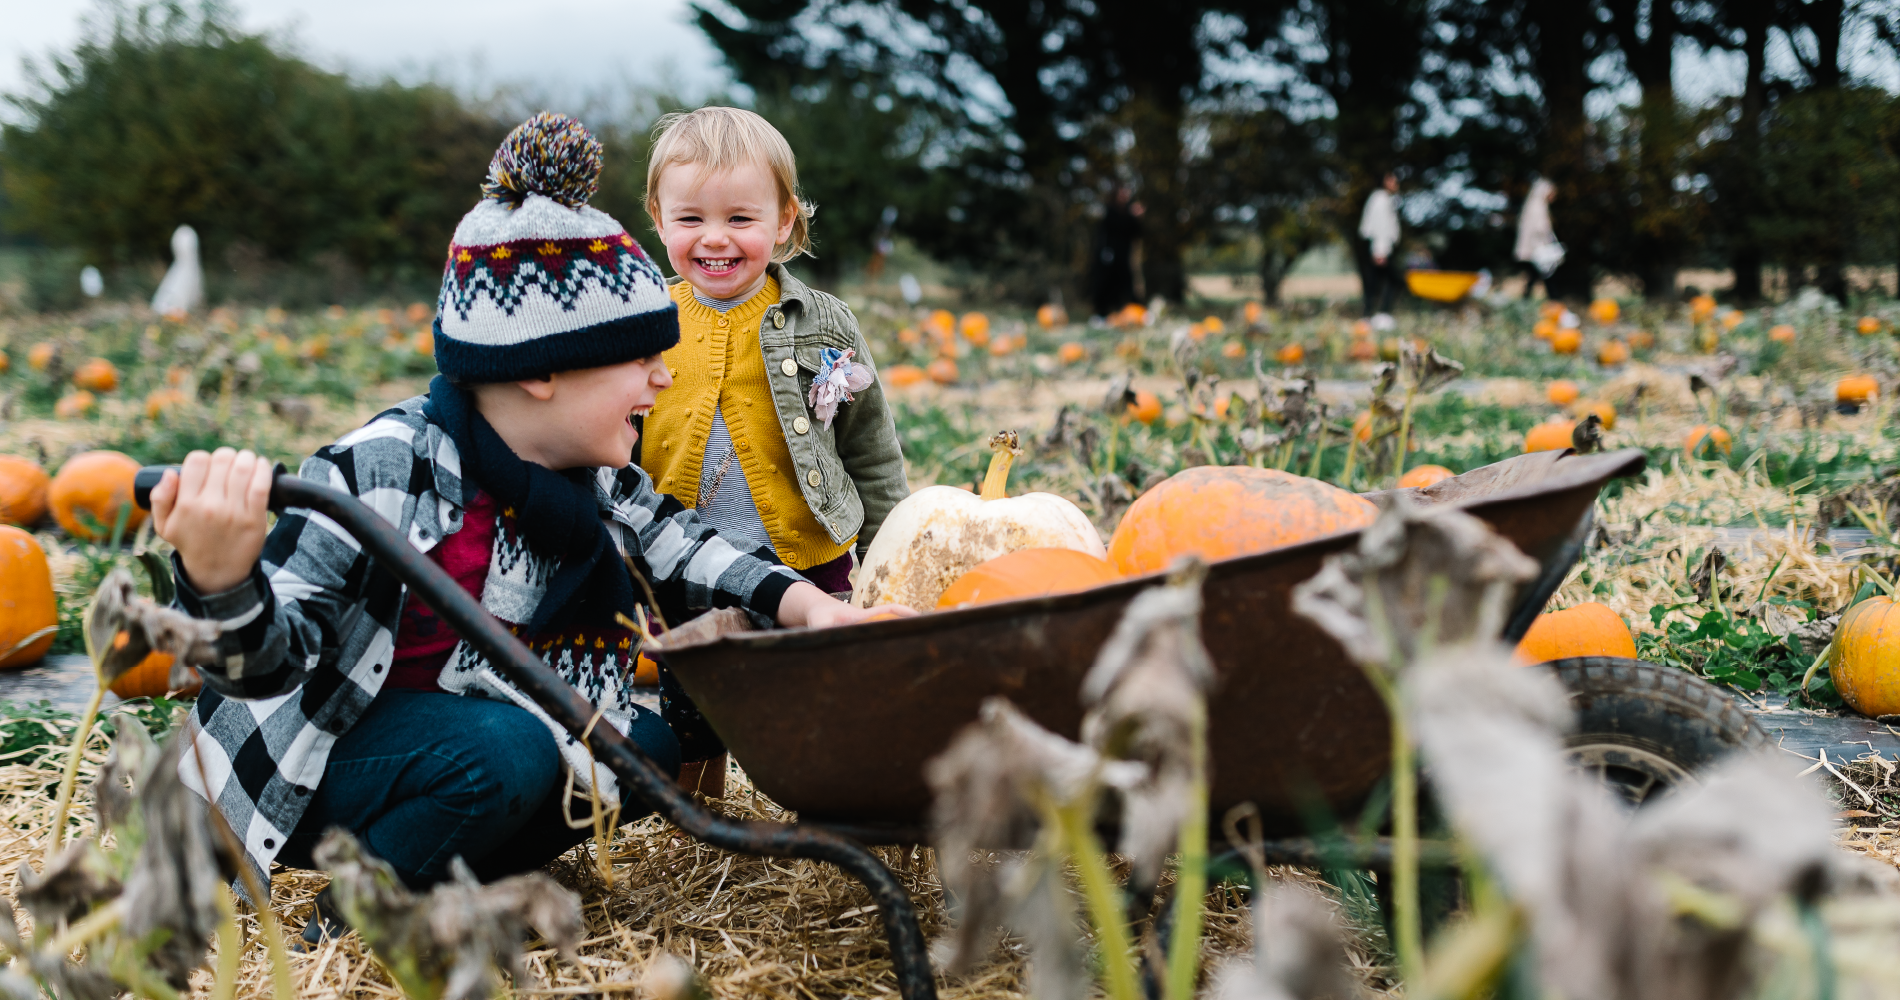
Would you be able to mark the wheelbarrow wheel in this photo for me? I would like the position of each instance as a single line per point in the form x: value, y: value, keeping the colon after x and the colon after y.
x: 1643, y: 729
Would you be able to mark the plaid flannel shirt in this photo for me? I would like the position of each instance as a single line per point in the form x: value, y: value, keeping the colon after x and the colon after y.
x: 308, y: 639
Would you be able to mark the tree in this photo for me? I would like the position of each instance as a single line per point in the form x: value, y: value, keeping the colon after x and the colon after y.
x: 168, y: 116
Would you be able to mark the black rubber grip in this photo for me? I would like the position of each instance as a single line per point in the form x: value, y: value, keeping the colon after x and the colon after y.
x: 148, y: 477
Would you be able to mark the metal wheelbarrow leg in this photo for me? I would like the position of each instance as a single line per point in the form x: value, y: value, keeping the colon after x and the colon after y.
x: 635, y: 771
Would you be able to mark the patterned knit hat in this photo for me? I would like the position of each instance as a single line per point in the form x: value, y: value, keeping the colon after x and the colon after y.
x: 537, y: 282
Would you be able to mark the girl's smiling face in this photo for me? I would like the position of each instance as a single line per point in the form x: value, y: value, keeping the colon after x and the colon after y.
x: 720, y: 229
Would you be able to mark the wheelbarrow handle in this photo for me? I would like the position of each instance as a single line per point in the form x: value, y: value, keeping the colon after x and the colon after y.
x: 635, y: 770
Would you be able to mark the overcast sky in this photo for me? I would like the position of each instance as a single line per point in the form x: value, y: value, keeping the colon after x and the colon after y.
x: 563, y: 49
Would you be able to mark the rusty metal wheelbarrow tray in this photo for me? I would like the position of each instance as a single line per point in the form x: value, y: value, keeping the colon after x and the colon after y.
x: 838, y: 723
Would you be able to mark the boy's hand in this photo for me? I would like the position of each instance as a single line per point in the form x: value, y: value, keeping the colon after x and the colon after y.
x: 213, y: 514
x: 807, y: 606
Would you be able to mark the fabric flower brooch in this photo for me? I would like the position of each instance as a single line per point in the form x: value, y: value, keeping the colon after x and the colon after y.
x: 838, y: 377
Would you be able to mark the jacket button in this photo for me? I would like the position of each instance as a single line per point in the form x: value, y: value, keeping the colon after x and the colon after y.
x: 788, y: 366
x: 800, y: 425
x: 778, y: 319
x: 814, y: 478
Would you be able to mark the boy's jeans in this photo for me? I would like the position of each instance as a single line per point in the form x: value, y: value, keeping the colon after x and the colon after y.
x: 425, y: 776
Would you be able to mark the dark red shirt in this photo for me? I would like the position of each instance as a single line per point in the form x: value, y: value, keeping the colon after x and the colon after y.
x: 423, y: 640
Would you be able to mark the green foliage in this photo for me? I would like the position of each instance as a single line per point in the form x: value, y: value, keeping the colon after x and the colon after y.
x: 1730, y: 649
x: 1830, y: 165
x: 170, y: 116
x: 31, y: 730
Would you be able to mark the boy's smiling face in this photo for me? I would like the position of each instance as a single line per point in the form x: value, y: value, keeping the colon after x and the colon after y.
x: 575, y: 419
x: 720, y: 228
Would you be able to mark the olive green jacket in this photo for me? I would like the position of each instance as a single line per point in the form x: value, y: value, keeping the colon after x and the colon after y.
x: 852, y: 473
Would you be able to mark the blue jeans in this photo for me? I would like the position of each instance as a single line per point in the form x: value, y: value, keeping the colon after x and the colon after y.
x: 425, y: 776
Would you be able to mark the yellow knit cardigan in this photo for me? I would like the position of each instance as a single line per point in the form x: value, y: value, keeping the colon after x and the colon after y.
x: 718, y: 364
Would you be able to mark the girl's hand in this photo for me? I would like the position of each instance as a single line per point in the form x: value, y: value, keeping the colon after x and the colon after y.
x: 807, y: 606
x: 213, y: 514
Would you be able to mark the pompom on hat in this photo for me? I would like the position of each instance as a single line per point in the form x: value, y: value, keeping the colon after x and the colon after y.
x: 537, y: 281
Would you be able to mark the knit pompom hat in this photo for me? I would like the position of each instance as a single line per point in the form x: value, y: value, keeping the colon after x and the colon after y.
x: 537, y: 282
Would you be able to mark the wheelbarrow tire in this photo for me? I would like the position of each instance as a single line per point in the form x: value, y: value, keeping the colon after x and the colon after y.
x: 1643, y: 728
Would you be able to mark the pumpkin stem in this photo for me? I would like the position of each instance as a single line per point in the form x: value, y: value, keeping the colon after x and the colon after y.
x: 1005, y: 446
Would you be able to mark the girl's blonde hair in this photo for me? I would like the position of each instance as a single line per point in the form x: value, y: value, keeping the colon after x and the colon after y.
x: 719, y: 139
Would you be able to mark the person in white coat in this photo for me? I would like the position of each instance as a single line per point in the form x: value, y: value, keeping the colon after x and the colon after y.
x: 1379, y: 227
x: 1537, y: 246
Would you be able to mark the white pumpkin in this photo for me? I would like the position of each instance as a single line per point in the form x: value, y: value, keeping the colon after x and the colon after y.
x: 939, y: 533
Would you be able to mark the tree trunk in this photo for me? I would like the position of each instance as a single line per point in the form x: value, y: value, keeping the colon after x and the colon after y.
x: 1562, y: 64
x: 1746, y: 260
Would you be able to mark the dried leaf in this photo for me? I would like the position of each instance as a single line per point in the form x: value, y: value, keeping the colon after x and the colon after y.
x: 448, y: 942
x: 985, y: 788
x: 1146, y: 696
x: 125, y: 771
x: 1120, y: 395
x: 74, y: 882
x: 1300, y: 951
x: 1427, y: 370
x: 1703, y: 578
x: 123, y: 628
x: 182, y: 867
x: 1418, y: 574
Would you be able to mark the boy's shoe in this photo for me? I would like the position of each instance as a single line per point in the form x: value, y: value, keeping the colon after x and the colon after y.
x: 326, y: 924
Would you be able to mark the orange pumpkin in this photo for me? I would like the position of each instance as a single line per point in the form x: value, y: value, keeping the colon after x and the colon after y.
x: 1362, y: 427
x: 1002, y: 346
x: 1589, y: 629
x: 1252, y: 312
x: 5, y: 362
x: 27, y: 607
x: 22, y: 491
x: 1550, y: 309
x: 1563, y: 392
x: 1027, y: 573
x: 97, y: 375
x: 419, y: 312
x: 152, y: 678
x: 94, y: 485
x: 1566, y: 340
x: 1544, y: 329
x: 39, y: 357
x: 1701, y: 308
x: 1233, y: 349
x: 902, y: 376
x: 942, y: 371
x: 1868, y: 326
x: 158, y: 401
x: 1214, y: 324
x: 1641, y: 340
x: 424, y: 342
x: 1362, y: 329
x: 1856, y: 389
x: 1716, y: 438
x: 1425, y: 475
x: 1363, y: 350
x: 1197, y: 331
x: 1291, y: 354
x: 909, y: 337
x: 74, y: 405
x: 1146, y: 407
x: 646, y: 671
x: 1049, y: 316
x: 1071, y: 352
x: 1551, y: 436
x: 1781, y: 333
x: 975, y: 328
x: 1220, y: 512
x: 1864, y: 661
x: 1604, y: 311
x: 941, y: 322
x: 1603, y: 410
x: 1613, y: 352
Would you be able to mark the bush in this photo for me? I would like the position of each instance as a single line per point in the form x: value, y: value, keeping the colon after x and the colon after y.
x: 168, y: 117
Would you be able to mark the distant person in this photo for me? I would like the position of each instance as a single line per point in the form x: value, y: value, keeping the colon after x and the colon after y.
x: 1114, y: 278
x: 341, y: 699
x: 1379, y: 227
x: 805, y: 464
x: 1538, y: 251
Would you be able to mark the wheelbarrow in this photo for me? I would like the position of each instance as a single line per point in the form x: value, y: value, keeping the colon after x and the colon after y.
x: 837, y: 724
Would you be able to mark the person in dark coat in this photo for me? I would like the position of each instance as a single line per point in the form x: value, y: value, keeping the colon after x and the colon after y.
x: 1114, y: 278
